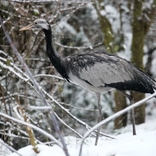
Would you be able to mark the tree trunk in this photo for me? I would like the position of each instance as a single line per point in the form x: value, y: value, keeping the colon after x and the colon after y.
x: 120, y: 101
x: 137, y: 54
x: 140, y: 27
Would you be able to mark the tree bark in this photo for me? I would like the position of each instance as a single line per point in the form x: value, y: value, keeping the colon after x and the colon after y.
x: 137, y: 53
x: 140, y: 27
x: 120, y: 101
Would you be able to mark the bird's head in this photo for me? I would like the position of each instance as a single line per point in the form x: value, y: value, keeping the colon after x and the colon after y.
x: 40, y: 24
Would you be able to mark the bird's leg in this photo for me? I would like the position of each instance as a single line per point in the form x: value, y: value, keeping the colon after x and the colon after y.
x: 132, y: 111
x: 100, y: 117
x: 99, y: 105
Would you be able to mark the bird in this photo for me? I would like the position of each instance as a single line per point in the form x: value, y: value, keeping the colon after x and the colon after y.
x: 95, y: 70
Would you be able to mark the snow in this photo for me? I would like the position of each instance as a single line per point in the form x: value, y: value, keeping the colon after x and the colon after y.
x: 4, y: 151
x: 125, y: 144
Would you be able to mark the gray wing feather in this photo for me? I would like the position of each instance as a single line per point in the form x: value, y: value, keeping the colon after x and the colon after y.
x: 102, y: 73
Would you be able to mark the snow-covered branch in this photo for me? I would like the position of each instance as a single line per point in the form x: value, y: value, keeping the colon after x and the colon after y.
x: 112, y: 117
x: 32, y: 126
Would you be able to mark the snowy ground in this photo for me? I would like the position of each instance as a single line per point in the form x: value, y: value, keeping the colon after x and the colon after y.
x: 125, y: 144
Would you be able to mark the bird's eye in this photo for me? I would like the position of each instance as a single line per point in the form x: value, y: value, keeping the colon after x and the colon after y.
x: 35, y: 23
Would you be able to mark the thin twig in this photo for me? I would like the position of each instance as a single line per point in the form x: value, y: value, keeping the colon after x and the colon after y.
x: 80, y: 48
x: 69, y: 15
x: 68, y: 126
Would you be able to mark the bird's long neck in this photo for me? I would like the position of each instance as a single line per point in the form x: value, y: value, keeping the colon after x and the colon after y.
x: 57, y: 61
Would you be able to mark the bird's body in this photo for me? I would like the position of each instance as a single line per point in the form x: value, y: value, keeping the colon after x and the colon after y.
x: 96, y: 70
x: 101, y: 72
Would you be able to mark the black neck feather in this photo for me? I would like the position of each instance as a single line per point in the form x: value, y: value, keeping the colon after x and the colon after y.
x: 57, y: 61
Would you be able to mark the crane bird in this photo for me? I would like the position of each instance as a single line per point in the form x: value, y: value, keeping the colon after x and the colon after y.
x: 96, y: 71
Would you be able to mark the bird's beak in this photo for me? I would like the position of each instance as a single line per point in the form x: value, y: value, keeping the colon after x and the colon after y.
x: 28, y: 27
